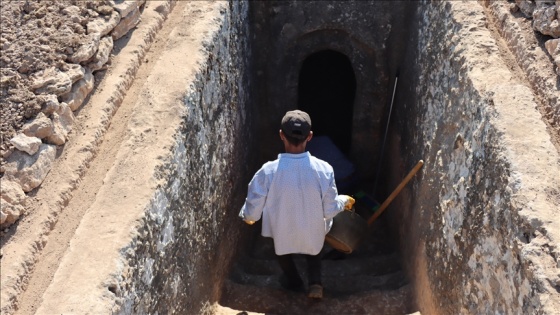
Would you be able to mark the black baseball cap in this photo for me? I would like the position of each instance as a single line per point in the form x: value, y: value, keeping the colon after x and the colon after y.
x: 296, y: 124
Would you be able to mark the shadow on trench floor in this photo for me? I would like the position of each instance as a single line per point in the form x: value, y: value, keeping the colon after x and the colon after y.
x: 367, y: 281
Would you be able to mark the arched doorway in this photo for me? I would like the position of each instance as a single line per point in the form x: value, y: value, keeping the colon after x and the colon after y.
x: 326, y: 90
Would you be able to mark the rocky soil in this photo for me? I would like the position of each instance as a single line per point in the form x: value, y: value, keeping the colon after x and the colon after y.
x: 51, y: 52
x: 37, y: 35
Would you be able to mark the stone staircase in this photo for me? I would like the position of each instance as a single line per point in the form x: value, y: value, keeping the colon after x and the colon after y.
x: 368, y: 281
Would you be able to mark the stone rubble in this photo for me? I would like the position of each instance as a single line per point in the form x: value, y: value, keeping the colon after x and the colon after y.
x: 50, y: 104
x: 29, y: 171
x: 545, y: 16
x: 79, y: 91
x: 40, y: 127
x: 102, y: 55
x: 29, y: 145
x: 62, y: 125
x: 48, y: 59
x: 104, y: 25
x: 13, y: 202
x: 553, y: 48
x: 51, y: 81
x: 127, y: 23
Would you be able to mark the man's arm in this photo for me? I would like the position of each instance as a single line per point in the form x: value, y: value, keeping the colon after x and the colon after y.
x: 333, y: 203
x: 256, y: 198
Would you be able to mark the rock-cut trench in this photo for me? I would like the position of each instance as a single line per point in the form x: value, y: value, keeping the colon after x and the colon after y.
x: 386, y: 84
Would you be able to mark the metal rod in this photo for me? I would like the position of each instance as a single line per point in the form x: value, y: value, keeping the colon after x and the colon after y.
x: 385, y: 137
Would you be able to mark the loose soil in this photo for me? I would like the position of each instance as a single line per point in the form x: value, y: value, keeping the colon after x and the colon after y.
x: 35, y: 35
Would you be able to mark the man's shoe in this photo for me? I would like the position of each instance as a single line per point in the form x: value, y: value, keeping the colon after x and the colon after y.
x: 315, y: 291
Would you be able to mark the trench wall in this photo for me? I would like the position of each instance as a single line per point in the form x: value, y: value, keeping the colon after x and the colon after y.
x: 467, y: 228
x: 181, y: 243
x: 189, y: 233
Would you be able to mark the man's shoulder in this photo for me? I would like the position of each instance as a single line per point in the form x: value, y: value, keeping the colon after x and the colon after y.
x: 321, y: 163
x: 270, y: 166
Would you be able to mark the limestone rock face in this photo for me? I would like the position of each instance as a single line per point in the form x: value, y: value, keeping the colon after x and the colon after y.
x: 51, y: 81
x: 13, y: 202
x: 104, y: 24
x: 29, y: 145
x: 87, y: 50
x: 40, y: 127
x: 62, y: 120
x: 79, y: 92
x: 103, y: 53
x: 29, y: 171
x: 127, y: 23
x: 50, y: 104
x: 546, y: 21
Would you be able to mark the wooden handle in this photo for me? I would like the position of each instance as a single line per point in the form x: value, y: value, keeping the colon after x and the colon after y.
x: 395, y: 192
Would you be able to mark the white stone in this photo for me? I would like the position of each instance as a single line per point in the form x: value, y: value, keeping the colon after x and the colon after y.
x: 127, y: 23
x: 62, y: 122
x: 102, y: 25
x: 87, y: 50
x: 125, y: 7
x: 527, y: 7
x: 50, y: 81
x: 71, y: 10
x: 75, y: 72
x: 51, y: 104
x: 29, y: 171
x: 9, y: 213
x: 103, y: 53
x: 553, y: 46
x: 40, y: 127
x: 545, y: 21
x: 12, y: 193
x: 29, y: 145
x: 80, y: 91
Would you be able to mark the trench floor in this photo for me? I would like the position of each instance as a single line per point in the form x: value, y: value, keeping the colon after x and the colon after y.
x: 369, y: 280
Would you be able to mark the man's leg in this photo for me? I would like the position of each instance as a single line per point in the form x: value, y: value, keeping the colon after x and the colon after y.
x: 314, y: 276
x: 314, y: 269
x: 292, y: 279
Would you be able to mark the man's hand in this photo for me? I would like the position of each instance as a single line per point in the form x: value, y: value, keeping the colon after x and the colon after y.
x: 249, y: 222
x: 349, y: 203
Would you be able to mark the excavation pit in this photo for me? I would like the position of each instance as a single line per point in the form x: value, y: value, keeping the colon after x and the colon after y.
x: 461, y: 238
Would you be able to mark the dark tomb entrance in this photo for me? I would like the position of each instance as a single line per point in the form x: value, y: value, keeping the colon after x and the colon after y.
x: 326, y: 90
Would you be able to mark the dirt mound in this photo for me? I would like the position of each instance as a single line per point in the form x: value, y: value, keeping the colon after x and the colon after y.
x: 36, y: 35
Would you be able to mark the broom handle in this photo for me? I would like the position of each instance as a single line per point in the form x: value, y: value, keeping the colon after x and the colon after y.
x: 395, y: 192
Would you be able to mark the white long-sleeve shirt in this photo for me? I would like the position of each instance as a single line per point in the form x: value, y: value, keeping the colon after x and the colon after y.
x: 297, y: 198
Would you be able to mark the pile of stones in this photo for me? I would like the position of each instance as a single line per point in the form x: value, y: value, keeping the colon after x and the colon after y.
x: 545, y: 17
x: 51, y: 51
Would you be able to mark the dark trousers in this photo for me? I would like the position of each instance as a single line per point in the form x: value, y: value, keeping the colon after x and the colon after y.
x: 290, y: 271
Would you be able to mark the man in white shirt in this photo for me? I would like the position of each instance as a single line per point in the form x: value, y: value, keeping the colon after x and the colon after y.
x: 297, y: 198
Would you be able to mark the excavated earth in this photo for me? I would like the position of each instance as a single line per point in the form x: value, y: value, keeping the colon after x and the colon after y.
x: 38, y: 35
